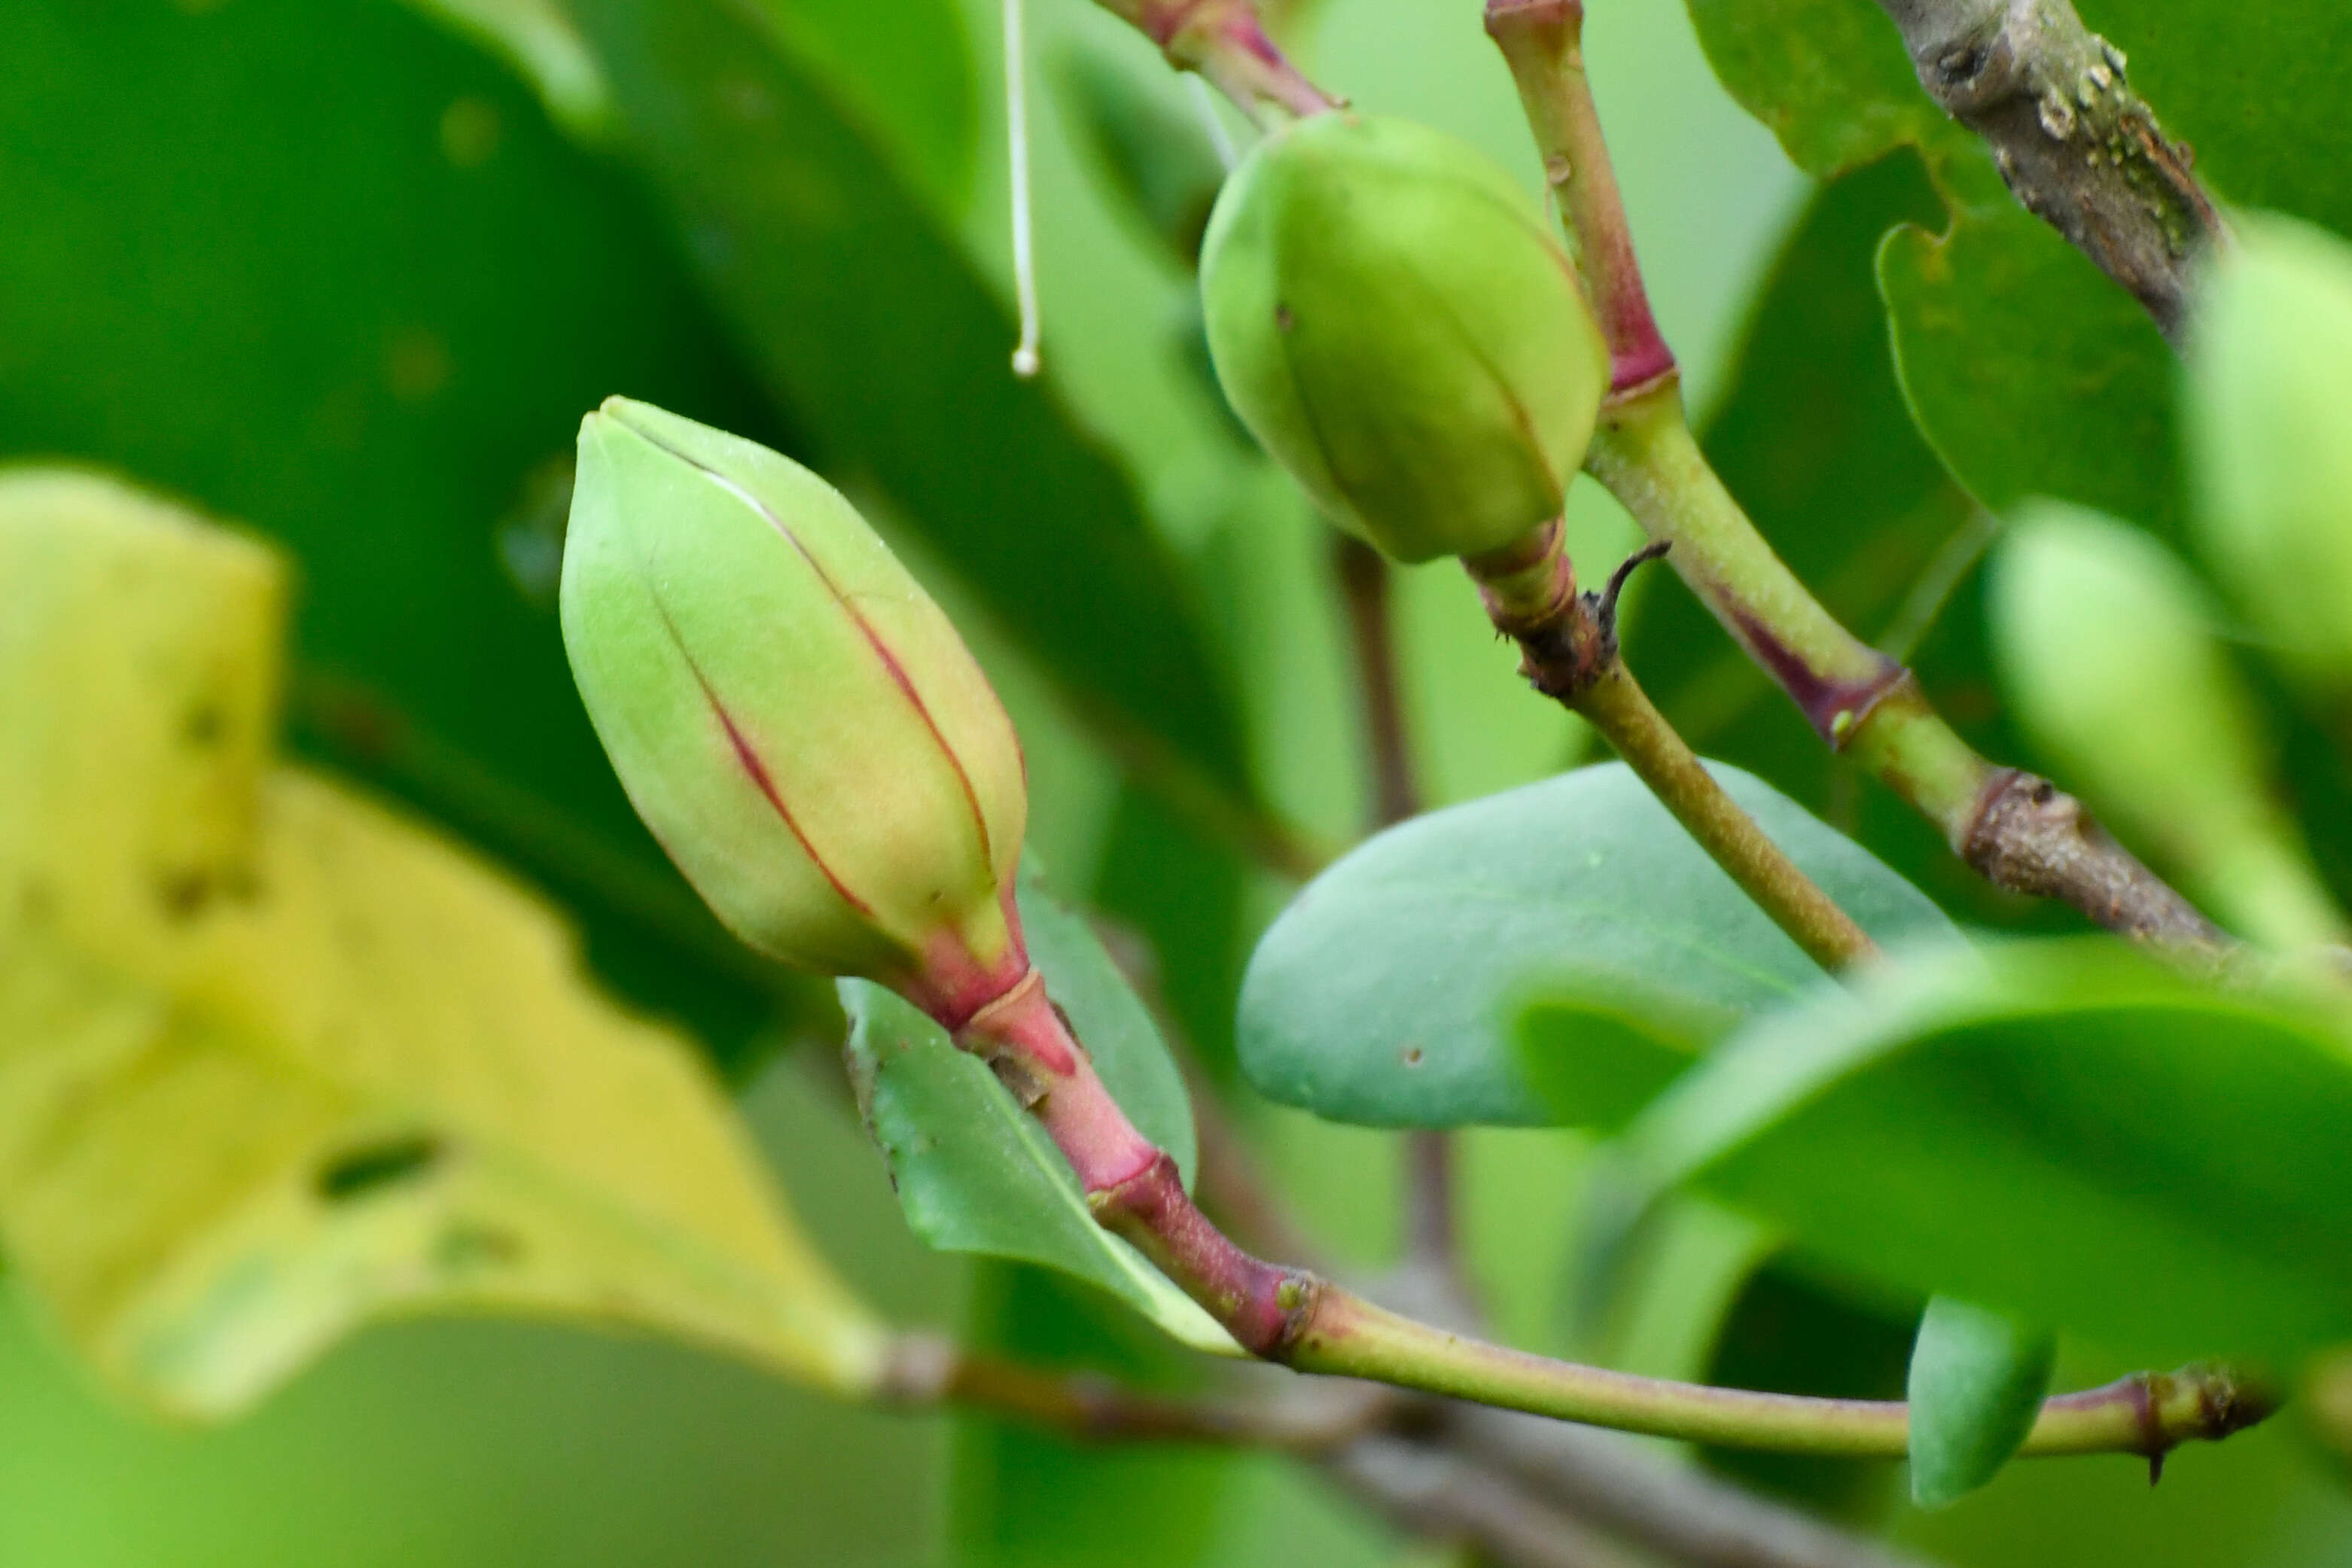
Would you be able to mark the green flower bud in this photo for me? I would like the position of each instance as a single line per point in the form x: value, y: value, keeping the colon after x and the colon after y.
x: 791, y: 716
x: 2268, y: 407
x: 2106, y: 649
x: 1394, y: 321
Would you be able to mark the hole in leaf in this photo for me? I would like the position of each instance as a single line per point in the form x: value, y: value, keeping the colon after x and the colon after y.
x: 357, y: 1172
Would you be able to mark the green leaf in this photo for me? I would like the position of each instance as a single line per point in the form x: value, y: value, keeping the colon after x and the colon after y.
x: 973, y: 1170
x: 2058, y: 1130
x: 2029, y: 373
x: 331, y: 272
x: 905, y: 73
x: 1385, y: 994
x: 539, y: 40
x: 1793, y: 1329
x: 275, y: 1063
x: 1977, y: 1382
x: 879, y: 335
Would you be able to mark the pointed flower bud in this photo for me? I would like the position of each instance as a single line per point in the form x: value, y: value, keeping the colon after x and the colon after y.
x: 790, y: 713
x: 1394, y: 321
x: 2269, y: 417
x: 2107, y: 649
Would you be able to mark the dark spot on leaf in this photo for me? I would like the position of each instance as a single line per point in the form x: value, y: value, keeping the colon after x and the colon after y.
x: 355, y: 1172
x: 39, y: 902
x: 1410, y: 1055
x: 1282, y: 319
x: 184, y: 893
x: 205, y: 725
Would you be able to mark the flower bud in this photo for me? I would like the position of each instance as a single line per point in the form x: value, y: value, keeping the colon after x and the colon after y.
x: 2269, y: 414
x: 790, y: 713
x: 1394, y: 321
x: 2106, y: 649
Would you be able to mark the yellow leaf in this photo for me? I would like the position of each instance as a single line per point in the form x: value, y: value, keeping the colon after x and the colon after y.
x: 361, y: 1075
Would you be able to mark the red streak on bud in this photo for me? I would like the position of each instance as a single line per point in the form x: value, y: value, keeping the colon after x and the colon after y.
x: 748, y: 758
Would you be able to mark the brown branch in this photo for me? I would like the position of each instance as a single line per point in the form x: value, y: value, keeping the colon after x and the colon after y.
x: 2032, y: 837
x: 1363, y: 575
x: 1439, y: 1495
x: 926, y: 1371
x: 1430, y: 1252
x: 2081, y: 151
x: 1675, y: 1511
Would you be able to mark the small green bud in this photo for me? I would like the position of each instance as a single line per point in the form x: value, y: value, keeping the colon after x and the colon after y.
x: 791, y: 716
x: 1394, y: 321
x: 2269, y: 418
x: 2106, y: 649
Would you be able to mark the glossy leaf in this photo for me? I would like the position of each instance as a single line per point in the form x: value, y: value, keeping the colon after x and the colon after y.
x: 1977, y: 1382
x: 877, y: 334
x: 1384, y: 995
x: 344, y: 283
x: 2029, y: 373
x: 2046, y: 1128
x: 974, y: 1172
x: 275, y: 1063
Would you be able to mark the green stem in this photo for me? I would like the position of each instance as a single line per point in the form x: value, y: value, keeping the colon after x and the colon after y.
x: 1294, y: 1318
x: 1567, y: 645
x: 1618, y: 707
x: 2016, y: 830
x: 2147, y: 1414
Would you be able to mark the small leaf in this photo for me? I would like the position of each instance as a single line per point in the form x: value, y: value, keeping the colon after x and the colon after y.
x: 2059, y: 1130
x: 1977, y: 1382
x: 973, y: 1170
x: 1385, y: 994
x: 274, y: 1063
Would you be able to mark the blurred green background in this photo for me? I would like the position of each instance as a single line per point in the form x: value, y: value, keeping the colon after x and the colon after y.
x: 331, y: 270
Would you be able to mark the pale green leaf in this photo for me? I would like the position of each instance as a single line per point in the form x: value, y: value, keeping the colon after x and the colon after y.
x: 1387, y: 991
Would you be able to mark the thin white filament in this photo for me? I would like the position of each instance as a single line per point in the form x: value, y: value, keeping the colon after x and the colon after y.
x: 1016, y: 125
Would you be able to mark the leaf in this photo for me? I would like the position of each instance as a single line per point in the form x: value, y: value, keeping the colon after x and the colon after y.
x: 904, y: 72
x: 331, y: 272
x: 2057, y: 1130
x: 1790, y: 1330
x: 539, y: 41
x: 1977, y: 1382
x: 973, y: 1170
x: 2028, y: 372
x: 274, y: 1063
x: 1385, y: 994
x: 877, y: 334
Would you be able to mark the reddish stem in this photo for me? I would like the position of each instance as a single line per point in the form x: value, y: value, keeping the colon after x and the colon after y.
x: 1542, y: 40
